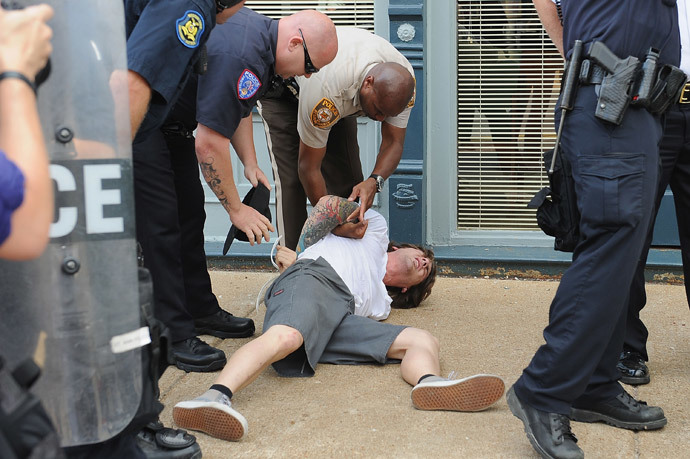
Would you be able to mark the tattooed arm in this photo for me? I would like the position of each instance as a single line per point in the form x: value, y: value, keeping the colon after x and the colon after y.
x: 213, y: 154
x: 328, y: 214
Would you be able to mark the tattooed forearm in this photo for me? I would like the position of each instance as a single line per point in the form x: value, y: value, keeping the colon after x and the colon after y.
x: 330, y: 212
x: 211, y: 176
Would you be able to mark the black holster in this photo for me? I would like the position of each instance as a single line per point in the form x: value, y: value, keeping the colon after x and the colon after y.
x: 556, y: 204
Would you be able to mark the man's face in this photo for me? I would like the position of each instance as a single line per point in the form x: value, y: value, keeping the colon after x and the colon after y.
x: 373, y: 105
x: 407, y: 267
x: 228, y: 12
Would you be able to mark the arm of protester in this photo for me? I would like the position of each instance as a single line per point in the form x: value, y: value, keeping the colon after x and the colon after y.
x: 352, y: 230
x: 309, y: 167
x: 285, y: 258
x: 329, y: 212
x: 243, y: 143
x: 548, y: 15
x: 213, y: 154
x: 390, y: 152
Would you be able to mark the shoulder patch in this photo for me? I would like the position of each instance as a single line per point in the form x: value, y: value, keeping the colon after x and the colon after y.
x: 247, y: 85
x: 189, y: 28
x: 324, y: 114
x: 410, y: 104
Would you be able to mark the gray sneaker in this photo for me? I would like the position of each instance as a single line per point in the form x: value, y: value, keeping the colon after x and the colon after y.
x: 474, y: 393
x: 212, y: 414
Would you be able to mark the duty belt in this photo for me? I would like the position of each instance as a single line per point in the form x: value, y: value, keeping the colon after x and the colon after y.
x: 685, y: 94
x: 177, y: 129
x: 591, y: 73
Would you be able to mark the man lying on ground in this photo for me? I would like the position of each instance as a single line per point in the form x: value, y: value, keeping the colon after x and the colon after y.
x: 325, y: 307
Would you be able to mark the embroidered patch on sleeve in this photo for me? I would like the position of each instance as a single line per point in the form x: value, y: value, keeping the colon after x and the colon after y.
x: 324, y: 114
x: 247, y: 85
x: 410, y: 104
x: 189, y: 28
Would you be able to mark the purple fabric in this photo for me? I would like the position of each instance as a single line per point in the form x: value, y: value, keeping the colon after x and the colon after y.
x: 11, y: 193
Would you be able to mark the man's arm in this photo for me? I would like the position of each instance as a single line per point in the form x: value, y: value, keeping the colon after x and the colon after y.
x: 243, y: 143
x: 24, y: 48
x: 330, y: 215
x: 213, y: 154
x: 139, y: 98
x: 309, y: 168
x: 548, y: 14
x: 390, y: 152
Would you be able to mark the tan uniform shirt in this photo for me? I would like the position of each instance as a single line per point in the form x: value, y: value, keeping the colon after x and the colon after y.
x: 333, y: 92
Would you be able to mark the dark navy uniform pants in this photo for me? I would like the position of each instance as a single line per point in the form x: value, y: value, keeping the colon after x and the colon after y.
x: 674, y: 152
x: 615, y: 169
x: 170, y: 218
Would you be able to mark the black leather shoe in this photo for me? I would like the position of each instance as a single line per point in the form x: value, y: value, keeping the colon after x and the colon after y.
x: 193, y: 354
x: 159, y: 442
x: 549, y: 433
x: 633, y: 369
x: 622, y: 411
x: 224, y: 325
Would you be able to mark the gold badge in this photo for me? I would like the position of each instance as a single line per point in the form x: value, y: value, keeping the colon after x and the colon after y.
x: 189, y: 28
x: 324, y: 114
x: 410, y: 104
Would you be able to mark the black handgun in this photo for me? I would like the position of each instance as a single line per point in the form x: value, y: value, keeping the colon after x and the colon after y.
x: 615, y: 93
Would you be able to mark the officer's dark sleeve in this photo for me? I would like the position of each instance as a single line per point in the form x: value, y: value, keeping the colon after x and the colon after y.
x: 219, y: 105
x: 160, y: 46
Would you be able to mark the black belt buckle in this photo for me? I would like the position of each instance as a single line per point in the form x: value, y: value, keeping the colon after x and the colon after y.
x: 685, y: 94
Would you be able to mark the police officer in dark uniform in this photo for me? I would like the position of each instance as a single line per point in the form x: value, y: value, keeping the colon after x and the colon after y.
x: 264, y: 51
x: 169, y: 229
x: 615, y: 170
x: 164, y: 40
x: 674, y: 151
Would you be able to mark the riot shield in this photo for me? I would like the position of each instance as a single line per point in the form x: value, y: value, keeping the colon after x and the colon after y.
x: 75, y: 310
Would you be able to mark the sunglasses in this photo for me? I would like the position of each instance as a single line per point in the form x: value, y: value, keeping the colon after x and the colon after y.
x: 308, y: 65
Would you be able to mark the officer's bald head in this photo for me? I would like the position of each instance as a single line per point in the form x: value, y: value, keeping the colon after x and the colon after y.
x: 310, y: 28
x: 386, y: 91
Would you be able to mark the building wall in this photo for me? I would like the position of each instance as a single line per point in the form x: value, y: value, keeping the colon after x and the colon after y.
x: 425, y: 198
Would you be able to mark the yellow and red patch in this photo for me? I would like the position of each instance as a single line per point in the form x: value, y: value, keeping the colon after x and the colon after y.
x: 324, y: 114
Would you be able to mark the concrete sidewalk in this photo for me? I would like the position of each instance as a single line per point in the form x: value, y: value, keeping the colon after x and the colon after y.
x: 485, y: 326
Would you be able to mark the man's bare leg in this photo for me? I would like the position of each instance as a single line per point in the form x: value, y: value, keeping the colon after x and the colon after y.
x: 419, y: 351
x: 420, y: 367
x: 212, y: 412
x: 249, y: 361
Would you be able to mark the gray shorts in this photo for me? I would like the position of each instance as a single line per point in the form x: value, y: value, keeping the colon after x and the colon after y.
x: 311, y: 298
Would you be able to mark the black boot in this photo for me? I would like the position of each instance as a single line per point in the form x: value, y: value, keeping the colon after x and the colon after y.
x: 633, y: 369
x: 621, y: 411
x: 549, y: 433
x: 224, y: 325
x: 193, y: 354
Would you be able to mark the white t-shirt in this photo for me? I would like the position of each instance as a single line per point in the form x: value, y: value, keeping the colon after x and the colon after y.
x: 361, y: 264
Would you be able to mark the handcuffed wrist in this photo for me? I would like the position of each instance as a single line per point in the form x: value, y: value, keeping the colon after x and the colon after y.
x: 18, y: 76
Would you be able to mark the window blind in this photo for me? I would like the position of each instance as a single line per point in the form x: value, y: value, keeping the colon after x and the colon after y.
x: 358, y: 13
x: 507, y: 86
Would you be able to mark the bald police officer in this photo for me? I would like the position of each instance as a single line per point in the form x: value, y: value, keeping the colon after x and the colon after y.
x: 313, y: 141
x: 245, y: 55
